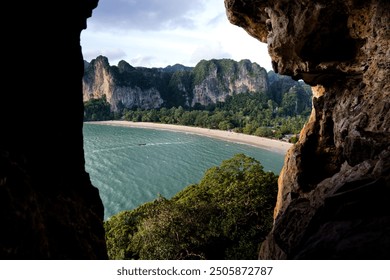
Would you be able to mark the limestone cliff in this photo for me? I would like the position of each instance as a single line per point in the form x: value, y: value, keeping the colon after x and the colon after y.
x: 334, y: 189
x: 216, y: 79
x: 123, y: 84
x: 48, y: 206
x: 207, y: 83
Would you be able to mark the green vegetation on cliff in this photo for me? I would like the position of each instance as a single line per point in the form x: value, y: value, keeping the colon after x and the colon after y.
x: 225, y: 216
x: 97, y: 110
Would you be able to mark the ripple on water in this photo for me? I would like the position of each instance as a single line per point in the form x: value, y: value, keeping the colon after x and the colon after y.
x: 131, y: 166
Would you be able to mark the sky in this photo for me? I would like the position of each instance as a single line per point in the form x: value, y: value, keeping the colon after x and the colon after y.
x: 159, y: 33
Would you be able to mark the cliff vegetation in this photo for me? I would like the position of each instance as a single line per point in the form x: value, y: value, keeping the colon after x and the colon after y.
x: 209, y: 82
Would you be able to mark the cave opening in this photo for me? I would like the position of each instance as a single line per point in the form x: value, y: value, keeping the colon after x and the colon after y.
x: 133, y: 68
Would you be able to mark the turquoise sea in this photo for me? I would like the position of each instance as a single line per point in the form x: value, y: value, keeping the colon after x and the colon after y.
x: 131, y: 166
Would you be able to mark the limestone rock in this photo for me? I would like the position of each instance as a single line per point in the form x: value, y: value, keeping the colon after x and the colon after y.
x: 217, y: 79
x: 207, y: 83
x: 119, y: 85
x: 335, y: 183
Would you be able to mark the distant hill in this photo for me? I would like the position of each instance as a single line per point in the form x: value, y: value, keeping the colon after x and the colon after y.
x: 176, y: 67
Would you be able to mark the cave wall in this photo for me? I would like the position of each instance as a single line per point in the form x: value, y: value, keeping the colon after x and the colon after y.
x: 49, y: 208
x: 334, y: 189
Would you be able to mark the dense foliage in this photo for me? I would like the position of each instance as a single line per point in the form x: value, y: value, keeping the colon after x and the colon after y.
x: 97, y: 110
x: 225, y: 216
x: 249, y: 113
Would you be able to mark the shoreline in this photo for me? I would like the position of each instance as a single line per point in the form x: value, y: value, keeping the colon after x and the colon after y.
x: 230, y: 136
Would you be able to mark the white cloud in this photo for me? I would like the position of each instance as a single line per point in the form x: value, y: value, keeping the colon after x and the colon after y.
x: 209, y: 51
x: 157, y: 33
x: 146, y: 14
x: 144, y: 61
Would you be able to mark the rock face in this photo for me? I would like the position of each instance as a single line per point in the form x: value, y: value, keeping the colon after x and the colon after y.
x: 120, y: 84
x: 207, y: 83
x: 334, y: 189
x: 217, y: 79
x: 48, y: 206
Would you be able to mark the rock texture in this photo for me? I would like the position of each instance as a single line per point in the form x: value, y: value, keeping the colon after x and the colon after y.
x: 123, y: 84
x: 207, y: 83
x: 334, y: 189
x: 48, y: 206
x: 217, y: 79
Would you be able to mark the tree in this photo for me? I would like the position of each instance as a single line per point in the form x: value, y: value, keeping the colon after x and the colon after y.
x: 97, y: 109
x: 226, y: 216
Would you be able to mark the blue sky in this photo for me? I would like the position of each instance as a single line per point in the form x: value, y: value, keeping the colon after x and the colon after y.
x: 158, y: 33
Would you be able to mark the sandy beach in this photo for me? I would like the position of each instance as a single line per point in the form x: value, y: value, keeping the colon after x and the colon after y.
x: 261, y: 142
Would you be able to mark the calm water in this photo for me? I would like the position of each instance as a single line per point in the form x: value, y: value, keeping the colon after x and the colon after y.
x: 131, y: 166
